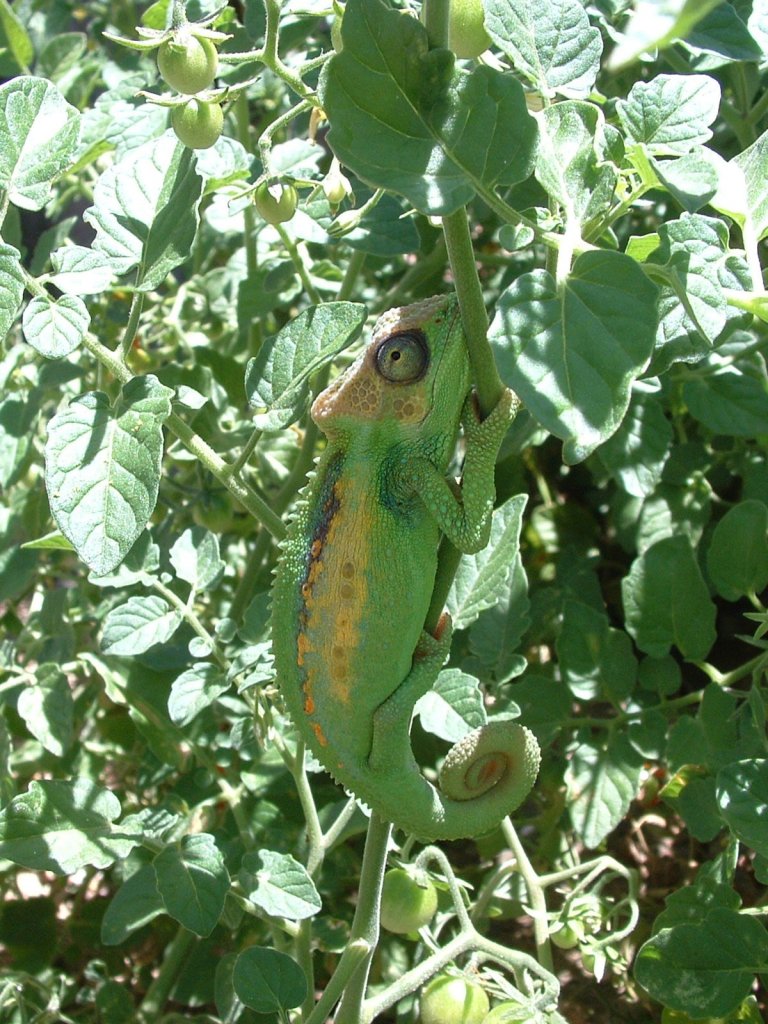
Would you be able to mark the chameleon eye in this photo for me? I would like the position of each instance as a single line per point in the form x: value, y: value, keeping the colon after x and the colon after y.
x: 403, y: 358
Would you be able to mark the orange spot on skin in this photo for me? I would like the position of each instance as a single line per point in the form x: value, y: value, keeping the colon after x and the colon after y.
x: 320, y: 734
x: 489, y: 771
x: 302, y: 646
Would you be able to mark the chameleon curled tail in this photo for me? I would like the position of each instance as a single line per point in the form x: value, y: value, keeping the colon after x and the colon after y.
x: 484, y: 777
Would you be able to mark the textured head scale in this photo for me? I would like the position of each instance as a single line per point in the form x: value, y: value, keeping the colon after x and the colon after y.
x: 362, y: 393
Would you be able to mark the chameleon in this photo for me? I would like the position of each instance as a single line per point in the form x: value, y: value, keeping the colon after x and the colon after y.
x: 356, y: 571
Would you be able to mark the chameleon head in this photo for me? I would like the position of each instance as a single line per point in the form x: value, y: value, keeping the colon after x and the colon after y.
x: 413, y: 351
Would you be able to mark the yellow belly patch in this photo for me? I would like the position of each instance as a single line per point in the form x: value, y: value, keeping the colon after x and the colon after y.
x: 334, y: 597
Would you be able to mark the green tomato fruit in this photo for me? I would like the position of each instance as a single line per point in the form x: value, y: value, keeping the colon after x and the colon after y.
x: 565, y: 937
x: 213, y: 510
x: 187, y: 62
x: 466, y: 28
x: 452, y: 1000
x: 406, y: 906
x: 509, y: 1012
x: 197, y: 124
x: 276, y: 203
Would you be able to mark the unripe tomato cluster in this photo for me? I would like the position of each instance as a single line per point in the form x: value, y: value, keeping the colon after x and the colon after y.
x: 188, y: 63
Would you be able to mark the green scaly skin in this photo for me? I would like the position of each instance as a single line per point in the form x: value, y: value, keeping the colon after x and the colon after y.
x: 356, y: 574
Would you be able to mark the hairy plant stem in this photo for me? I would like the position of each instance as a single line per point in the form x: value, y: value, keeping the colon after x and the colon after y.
x: 185, y: 610
x: 474, y: 318
x: 535, y: 892
x: 300, y: 262
x: 436, y: 16
x: 177, y: 952
x: 365, y: 926
x: 351, y: 959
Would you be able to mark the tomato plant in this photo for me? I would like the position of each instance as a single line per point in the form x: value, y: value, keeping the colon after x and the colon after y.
x: 590, y: 181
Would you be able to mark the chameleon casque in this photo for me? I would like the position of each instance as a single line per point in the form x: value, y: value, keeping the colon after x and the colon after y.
x: 356, y: 573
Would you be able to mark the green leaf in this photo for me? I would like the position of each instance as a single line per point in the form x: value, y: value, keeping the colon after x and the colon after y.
x: 62, y: 827
x: 383, y: 231
x: 48, y: 710
x: 195, y: 557
x: 675, y: 510
x: 55, y: 327
x: 729, y: 401
x: 145, y: 210
x: 743, y: 192
x: 140, y: 565
x: 406, y: 119
x: 481, y: 578
x: 724, y: 33
x: 194, y: 690
x: 193, y: 882
x: 655, y: 24
x: 694, y: 252
x: 550, y: 41
x: 696, y: 804
x: 571, y: 353
x: 278, y: 378
x: 136, y: 903
x: 570, y: 163
x: 7, y: 787
x: 14, y: 37
x: 704, y: 969
x: 268, y: 981
x: 635, y: 455
x: 690, y: 179
x: 39, y: 130
x: 671, y: 114
x: 691, y: 904
x: 601, y: 782
x: 742, y: 797
x: 17, y: 430
x: 279, y: 885
x: 666, y: 601
x: 139, y: 624
x: 80, y: 271
x: 595, y: 658
x: 62, y: 53
x: 737, y: 559
x: 11, y: 287
x: 496, y: 633
x: 660, y: 675
x: 103, y: 469
x: 453, y: 707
